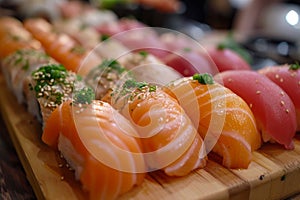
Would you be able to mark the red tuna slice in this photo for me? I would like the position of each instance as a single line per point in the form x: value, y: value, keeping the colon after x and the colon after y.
x: 273, y: 109
x: 143, y: 39
x: 189, y: 62
x: 116, y: 27
x: 288, y: 78
x: 226, y: 59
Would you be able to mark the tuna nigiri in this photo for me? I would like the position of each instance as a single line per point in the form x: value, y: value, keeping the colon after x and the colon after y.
x: 227, y: 59
x: 288, y: 78
x: 223, y: 119
x: 272, y: 107
x: 169, y: 139
x: 99, y: 144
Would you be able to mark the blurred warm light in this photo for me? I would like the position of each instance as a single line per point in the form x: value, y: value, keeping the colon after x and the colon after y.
x: 292, y: 17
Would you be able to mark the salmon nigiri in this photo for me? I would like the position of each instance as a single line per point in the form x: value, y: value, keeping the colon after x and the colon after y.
x: 99, y: 144
x: 272, y: 108
x: 169, y: 139
x: 13, y: 36
x: 62, y: 47
x: 223, y: 119
x: 288, y: 78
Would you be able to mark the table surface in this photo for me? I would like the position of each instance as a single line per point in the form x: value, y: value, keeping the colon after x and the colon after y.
x: 13, y: 182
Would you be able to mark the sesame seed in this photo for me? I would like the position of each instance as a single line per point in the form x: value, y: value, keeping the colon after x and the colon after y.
x: 256, y: 81
x: 282, y: 103
x: 60, y: 165
x: 258, y: 92
x: 250, y: 105
x: 62, y: 178
x: 281, y: 80
x: 229, y: 80
x: 282, y: 93
x: 293, y: 74
x: 277, y: 76
x: 287, y: 110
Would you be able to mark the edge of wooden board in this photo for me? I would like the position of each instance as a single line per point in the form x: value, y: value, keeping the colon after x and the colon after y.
x: 274, y: 172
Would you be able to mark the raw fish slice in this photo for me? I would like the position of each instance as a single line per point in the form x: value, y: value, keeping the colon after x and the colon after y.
x: 62, y: 47
x: 272, y: 107
x: 223, y: 119
x: 13, y: 36
x: 189, y: 62
x: 100, y: 145
x: 84, y: 35
x: 288, y: 78
x: 146, y: 67
x: 226, y: 59
x: 169, y: 139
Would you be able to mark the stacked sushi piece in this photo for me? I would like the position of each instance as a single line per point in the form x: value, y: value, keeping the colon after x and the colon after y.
x: 121, y: 109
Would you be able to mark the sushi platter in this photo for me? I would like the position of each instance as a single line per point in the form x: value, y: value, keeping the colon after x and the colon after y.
x: 274, y: 172
x: 101, y: 107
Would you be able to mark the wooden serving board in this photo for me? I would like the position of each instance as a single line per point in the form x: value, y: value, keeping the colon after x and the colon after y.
x: 273, y: 174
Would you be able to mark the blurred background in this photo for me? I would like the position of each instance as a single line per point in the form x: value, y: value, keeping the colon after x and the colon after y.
x: 268, y: 29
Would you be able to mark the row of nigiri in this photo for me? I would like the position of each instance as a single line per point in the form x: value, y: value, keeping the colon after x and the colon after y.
x: 233, y: 136
x: 131, y: 61
x: 37, y: 79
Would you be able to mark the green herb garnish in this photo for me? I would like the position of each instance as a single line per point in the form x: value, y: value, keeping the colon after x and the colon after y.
x: 49, y: 75
x: 83, y: 26
x: 84, y: 96
x: 205, y: 78
x: 132, y: 89
x: 78, y: 50
x: 230, y: 43
x: 26, y: 65
x: 295, y: 66
x: 187, y: 49
x: 112, y: 65
x: 104, y: 37
x: 144, y: 53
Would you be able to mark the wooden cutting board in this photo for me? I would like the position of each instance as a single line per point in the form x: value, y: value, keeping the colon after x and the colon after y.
x: 273, y: 174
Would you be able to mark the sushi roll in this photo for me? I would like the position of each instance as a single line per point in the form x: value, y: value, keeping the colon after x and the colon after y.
x: 48, y: 87
x: 17, y: 66
x: 104, y: 77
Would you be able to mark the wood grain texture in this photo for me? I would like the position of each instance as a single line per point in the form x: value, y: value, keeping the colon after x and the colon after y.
x: 13, y: 182
x: 274, y: 172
